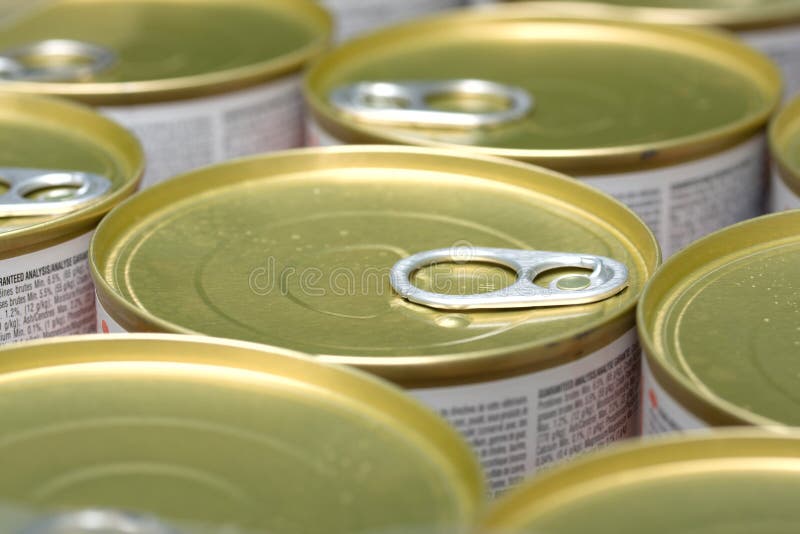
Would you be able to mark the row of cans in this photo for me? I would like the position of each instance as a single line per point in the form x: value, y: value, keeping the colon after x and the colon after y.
x: 195, y: 435
x: 504, y: 296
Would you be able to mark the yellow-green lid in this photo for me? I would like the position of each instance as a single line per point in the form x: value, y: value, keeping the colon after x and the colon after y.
x: 722, y: 483
x: 607, y: 96
x: 295, y: 249
x: 720, y: 322
x: 784, y: 144
x: 228, y: 434
x: 49, y: 134
x: 164, y: 49
x: 734, y: 14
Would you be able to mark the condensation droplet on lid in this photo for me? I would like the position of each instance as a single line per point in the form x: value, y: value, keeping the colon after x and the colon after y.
x: 766, y: 319
x: 456, y: 320
x: 343, y: 232
x: 295, y: 236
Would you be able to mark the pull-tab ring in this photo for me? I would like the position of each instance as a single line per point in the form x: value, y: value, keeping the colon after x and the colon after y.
x: 407, y: 103
x: 608, y: 277
x: 54, y: 60
x: 100, y: 521
x: 23, y: 183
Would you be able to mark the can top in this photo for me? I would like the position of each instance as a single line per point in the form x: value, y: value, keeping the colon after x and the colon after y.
x: 51, y: 154
x: 784, y: 141
x: 736, y: 15
x: 225, y: 433
x: 733, y: 482
x: 605, y: 95
x: 720, y: 323
x: 130, y: 51
x: 295, y: 249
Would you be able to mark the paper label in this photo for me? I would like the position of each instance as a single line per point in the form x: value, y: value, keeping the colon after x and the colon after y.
x: 781, y: 198
x: 782, y: 45
x: 187, y: 134
x: 47, y: 293
x: 660, y: 412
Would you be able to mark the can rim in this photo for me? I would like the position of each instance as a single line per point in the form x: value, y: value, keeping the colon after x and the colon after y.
x: 583, y: 161
x: 708, y: 406
x: 197, y: 85
x: 403, y: 369
x: 86, y: 216
x: 782, y: 126
x: 736, y: 19
x: 610, y: 463
x: 377, y: 398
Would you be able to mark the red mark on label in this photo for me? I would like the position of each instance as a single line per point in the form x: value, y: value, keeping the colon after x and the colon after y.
x: 653, y: 398
x: 104, y: 326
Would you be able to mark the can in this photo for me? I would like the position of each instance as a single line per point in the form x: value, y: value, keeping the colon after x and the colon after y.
x: 770, y: 26
x: 354, y: 17
x: 228, y: 434
x: 731, y: 482
x: 62, y: 167
x: 300, y: 250
x: 670, y: 121
x: 784, y: 135
x: 198, y: 81
x: 720, y: 332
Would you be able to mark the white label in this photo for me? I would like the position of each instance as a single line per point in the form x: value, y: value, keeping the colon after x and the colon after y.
x: 660, y: 412
x: 47, y: 293
x: 354, y: 17
x: 781, y: 198
x: 519, y: 425
x: 782, y: 45
x: 683, y: 203
x: 187, y: 134
x: 105, y: 323
x: 316, y: 136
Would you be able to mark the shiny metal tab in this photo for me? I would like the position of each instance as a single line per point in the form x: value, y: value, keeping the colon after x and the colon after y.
x: 98, y: 521
x: 54, y: 60
x: 23, y: 184
x: 608, y: 277
x: 408, y: 103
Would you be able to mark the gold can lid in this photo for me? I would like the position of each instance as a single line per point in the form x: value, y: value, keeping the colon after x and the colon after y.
x: 130, y: 51
x: 735, y: 15
x: 603, y: 95
x: 720, y: 322
x: 296, y: 249
x: 784, y: 144
x: 227, y: 434
x: 62, y: 167
x: 731, y: 482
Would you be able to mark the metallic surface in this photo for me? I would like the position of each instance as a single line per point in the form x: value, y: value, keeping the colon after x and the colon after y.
x: 719, y: 323
x: 223, y: 433
x: 610, y: 96
x: 98, y: 521
x: 40, y: 133
x: 728, y: 482
x: 295, y: 250
x: 606, y: 278
x: 737, y: 14
x: 23, y: 184
x: 784, y: 145
x: 89, y: 59
x: 400, y: 103
x: 170, y: 49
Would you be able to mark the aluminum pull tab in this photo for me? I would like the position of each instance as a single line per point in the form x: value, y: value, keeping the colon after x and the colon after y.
x: 407, y: 103
x: 608, y: 277
x: 98, y: 521
x: 23, y: 183
x: 54, y: 60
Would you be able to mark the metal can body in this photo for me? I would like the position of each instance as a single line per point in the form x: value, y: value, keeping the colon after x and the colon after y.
x: 714, y: 360
x: 354, y: 17
x: 614, y: 127
x: 771, y: 27
x: 156, y: 70
x: 526, y: 387
x: 223, y: 435
x: 784, y: 135
x: 45, y: 285
x: 735, y: 480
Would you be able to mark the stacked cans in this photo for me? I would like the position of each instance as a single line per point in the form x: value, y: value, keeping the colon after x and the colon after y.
x: 393, y: 335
